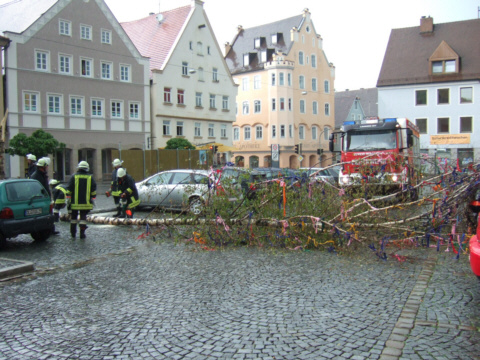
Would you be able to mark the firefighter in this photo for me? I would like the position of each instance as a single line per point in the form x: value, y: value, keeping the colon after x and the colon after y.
x: 128, y: 193
x: 82, y: 190
x: 41, y: 174
x: 31, y: 160
x: 60, y: 198
x: 114, y: 190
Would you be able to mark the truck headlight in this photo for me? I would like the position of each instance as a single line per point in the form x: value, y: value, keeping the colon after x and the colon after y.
x: 395, y: 178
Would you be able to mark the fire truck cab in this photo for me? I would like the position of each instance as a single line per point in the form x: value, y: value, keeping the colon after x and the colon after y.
x: 377, y: 152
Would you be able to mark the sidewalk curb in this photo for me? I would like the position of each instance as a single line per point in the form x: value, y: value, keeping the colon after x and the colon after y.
x: 11, y: 268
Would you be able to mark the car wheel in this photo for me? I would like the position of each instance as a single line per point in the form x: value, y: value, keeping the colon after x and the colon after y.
x: 3, y: 241
x: 196, y: 206
x: 41, y: 236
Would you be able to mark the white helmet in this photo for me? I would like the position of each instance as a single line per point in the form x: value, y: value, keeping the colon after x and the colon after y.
x: 31, y: 157
x: 42, y: 162
x: 121, y: 172
x: 83, y: 165
x: 53, y: 182
x: 47, y: 160
x: 117, y: 162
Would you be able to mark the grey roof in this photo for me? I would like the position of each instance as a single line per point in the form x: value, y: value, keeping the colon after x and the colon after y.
x: 408, y: 51
x: 244, y: 43
x: 16, y: 16
x: 344, y: 101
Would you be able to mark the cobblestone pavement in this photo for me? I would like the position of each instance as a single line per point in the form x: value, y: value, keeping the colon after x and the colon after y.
x: 112, y: 296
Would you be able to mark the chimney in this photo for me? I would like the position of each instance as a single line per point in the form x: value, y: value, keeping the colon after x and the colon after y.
x: 426, y: 25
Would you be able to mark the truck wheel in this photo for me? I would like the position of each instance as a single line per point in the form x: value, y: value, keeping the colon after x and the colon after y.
x: 41, y: 236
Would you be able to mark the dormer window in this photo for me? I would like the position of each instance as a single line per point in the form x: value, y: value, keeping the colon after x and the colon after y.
x: 444, y: 60
x: 443, y: 67
x: 257, y: 43
x: 246, y: 59
x: 274, y: 38
x: 263, y: 56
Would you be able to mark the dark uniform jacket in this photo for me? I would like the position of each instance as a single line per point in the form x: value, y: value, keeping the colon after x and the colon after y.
x: 31, y: 169
x: 82, y: 189
x: 59, y: 194
x: 114, y: 184
x: 129, y: 189
x: 42, y: 177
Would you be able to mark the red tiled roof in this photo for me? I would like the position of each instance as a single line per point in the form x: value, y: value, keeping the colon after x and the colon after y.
x: 154, y: 39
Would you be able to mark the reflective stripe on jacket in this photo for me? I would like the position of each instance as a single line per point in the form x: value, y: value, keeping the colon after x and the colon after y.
x: 82, y: 188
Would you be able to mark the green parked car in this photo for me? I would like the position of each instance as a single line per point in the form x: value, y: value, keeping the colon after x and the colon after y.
x: 24, y: 209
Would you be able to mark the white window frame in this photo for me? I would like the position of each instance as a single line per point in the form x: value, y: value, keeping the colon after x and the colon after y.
x: 236, y: 134
x: 314, y: 132
x: 58, y: 107
x: 290, y: 131
x: 75, y: 109
x: 31, y: 97
x: 184, y: 68
x: 90, y: 67
x: 245, y: 108
x: 65, y: 64
x: 106, y: 65
x: 289, y: 79
x: 215, y: 75
x: 166, y: 128
x: 258, y: 132
x: 247, y: 133
x: 257, y: 82
x: 274, y: 131
x: 282, y: 132
x: 281, y: 104
x: 198, y: 129
x: 211, y: 130
x: 327, y: 109
x: 326, y: 86
x: 315, y: 108
x: 257, y: 106
x: 86, y: 32
x: 179, y: 128
x: 225, y: 102
x: 44, y: 60
x: 116, y: 113
x: 134, y: 110
x: 301, y: 82
x: 273, y: 79
x: 301, y: 58
x: 314, y: 61
x: 198, y: 100
x: 64, y: 27
x: 302, y: 107
x: 97, y: 103
x: 281, y: 79
x: 301, y: 132
x: 245, y: 84
x: 125, y: 73
x: 223, y: 131
x: 314, y: 84
x: 213, y: 102
x: 274, y: 104
x: 106, y: 36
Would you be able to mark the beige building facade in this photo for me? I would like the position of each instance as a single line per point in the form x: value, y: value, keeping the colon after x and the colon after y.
x: 285, y: 97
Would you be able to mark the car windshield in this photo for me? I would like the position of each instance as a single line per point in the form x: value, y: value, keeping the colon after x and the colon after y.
x: 370, y: 140
x: 24, y: 190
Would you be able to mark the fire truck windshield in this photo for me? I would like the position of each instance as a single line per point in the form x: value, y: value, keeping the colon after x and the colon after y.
x: 370, y: 140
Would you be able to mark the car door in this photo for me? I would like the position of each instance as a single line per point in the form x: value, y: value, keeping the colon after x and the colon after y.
x: 181, y: 187
x: 154, y: 191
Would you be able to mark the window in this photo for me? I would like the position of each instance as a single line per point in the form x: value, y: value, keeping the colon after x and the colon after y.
x: 282, y: 131
x: 236, y: 134
x: 246, y: 133
x: 125, y: 72
x: 301, y: 81
x: 281, y: 79
x: 198, y: 99
x: 263, y: 56
x: 290, y: 131
x: 301, y: 60
x: 245, y: 84
x: 282, y: 104
x: 199, y: 48
x: 86, y: 67
x: 166, y: 127
x: 245, y: 108
x: 259, y: 132
x: 274, y: 38
x: 466, y: 95
x: 326, y: 133
x: 30, y: 102
x: 246, y: 59
x: 225, y: 105
x: 54, y: 104
x: 289, y: 79
x: 117, y: 109
x: 179, y: 128
x: 97, y: 108
x: 315, y: 108
x: 301, y: 132
x: 314, y: 84
x: 257, y: 105
x: 215, y: 75
x: 274, y: 105
x: 64, y: 64
x: 422, y: 125
x: 444, y: 66
x: 64, y: 27
x: 274, y: 131
x: 466, y: 124
x: 443, y: 96
x: 314, y: 61
x: 327, y: 109
x: 302, y: 106
x: 184, y: 68
x: 76, y: 106
x: 326, y: 86
x: 289, y: 104
x: 257, y: 82
x: 42, y: 63
x: 212, y: 102
x: 181, y: 97
x: 85, y: 32
x: 223, y: 130
x: 190, y: 45
x: 198, y: 128
x: 443, y: 125
x: 314, y: 132
x: 257, y: 43
x: 134, y: 113
x: 106, y: 36
x: 273, y: 80
x: 106, y: 70
x: 420, y: 97
x: 167, y: 94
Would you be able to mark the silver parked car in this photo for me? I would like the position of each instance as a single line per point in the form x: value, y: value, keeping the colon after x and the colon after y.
x: 175, y: 190
x: 320, y: 174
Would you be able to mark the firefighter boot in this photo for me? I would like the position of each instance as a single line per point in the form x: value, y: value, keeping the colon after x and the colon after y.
x: 83, y: 227
x: 119, y: 212
x: 73, y: 230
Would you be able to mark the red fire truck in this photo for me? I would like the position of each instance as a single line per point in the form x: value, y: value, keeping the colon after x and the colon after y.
x: 384, y: 153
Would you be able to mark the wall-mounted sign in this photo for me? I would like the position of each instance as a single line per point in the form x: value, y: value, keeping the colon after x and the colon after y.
x: 450, y: 139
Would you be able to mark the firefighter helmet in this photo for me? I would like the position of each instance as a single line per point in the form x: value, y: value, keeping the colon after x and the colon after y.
x: 42, y: 162
x: 83, y: 165
x: 53, y: 182
x: 117, y: 162
x: 121, y: 173
x: 31, y: 157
